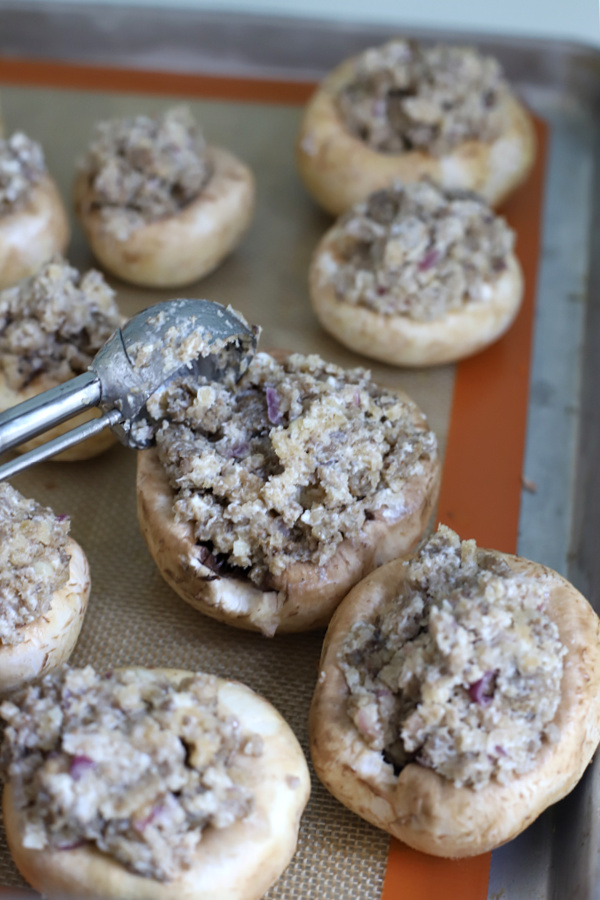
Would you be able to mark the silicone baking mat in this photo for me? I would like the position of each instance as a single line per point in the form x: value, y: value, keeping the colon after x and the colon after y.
x: 478, y: 409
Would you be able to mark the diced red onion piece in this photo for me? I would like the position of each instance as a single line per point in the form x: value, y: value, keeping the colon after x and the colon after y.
x: 79, y: 766
x: 74, y: 846
x: 237, y: 451
x: 383, y: 692
x: 273, y: 406
x: 429, y: 260
x: 482, y: 691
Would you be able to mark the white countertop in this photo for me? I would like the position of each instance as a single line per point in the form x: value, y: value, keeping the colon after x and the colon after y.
x: 576, y: 20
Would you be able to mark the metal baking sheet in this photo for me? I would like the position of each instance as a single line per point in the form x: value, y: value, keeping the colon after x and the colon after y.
x: 557, y: 857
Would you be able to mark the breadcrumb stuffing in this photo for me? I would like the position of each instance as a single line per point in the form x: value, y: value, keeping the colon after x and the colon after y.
x: 33, y: 561
x: 402, y: 96
x: 127, y: 761
x: 297, y: 457
x: 22, y: 166
x: 418, y: 251
x: 144, y: 168
x: 461, y: 671
x: 54, y: 323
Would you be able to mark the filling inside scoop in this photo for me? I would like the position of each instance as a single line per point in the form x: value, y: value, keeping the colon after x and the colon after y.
x: 54, y: 323
x: 288, y: 463
x: 402, y: 96
x: 22, y: 165
x: 461, y: 671
x: 419, y: 251
x: 129, y: 761
x: 33, y: 561
x: 143, y: 168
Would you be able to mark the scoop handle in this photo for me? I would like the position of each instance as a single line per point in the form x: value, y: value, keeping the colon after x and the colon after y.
x: 58, y: 444
x: 38, y: 414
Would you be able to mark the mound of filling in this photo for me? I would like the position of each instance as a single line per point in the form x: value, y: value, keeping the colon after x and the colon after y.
x: 33, y: 561
x: 461, y: 671
x: 144, y: 168
x: 22, y: 166
x: 402, y: 96
x: 418, y: 251
x: 218, y: 340
x: 288, y: 463
x: 129, y: 761
x: 54, y: 323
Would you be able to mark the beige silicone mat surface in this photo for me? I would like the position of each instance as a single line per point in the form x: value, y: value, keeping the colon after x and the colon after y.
x: 133, y: 617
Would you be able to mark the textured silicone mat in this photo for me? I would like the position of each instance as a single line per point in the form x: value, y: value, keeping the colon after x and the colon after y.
x: 134, y: 618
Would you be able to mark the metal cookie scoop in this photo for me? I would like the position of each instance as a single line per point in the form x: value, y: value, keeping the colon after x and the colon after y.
x: 170, y: 339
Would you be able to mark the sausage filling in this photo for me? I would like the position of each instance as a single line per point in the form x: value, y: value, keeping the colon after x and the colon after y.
x: 294, y: 459
x: 127, y: 761
x: 54, y: 323
x: 419, y: 251
x: 22, y: 166
x: 144, y: 168
x: 461, y: 672
x: 33, y: 561
x: 402, y: 97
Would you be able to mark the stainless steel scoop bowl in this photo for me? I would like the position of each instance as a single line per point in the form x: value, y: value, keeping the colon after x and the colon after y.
x: 157, y: 345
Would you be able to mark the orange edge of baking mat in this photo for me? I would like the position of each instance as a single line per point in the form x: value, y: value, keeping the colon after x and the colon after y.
x: 481, y: 482
x: 46, y: 73
x: 480, y: 495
